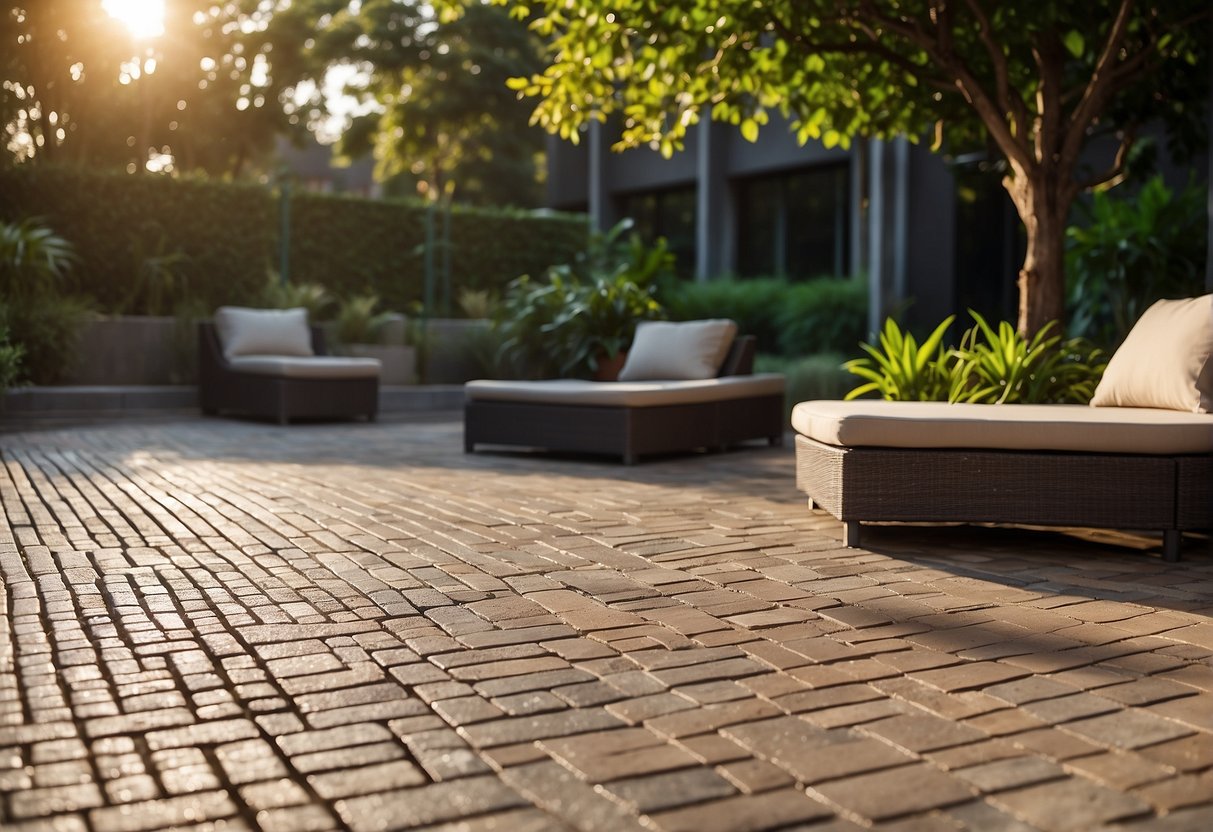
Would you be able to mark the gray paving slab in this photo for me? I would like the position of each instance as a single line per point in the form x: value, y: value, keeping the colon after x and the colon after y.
x: 220, y: 624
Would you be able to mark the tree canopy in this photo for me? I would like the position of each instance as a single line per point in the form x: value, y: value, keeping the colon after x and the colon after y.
x: 77, y: 85
x: 437, y: 109
x: 1038, y: 84
x: 212, y: 87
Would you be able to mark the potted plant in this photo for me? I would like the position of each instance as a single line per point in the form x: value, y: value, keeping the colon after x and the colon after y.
x: 581, y: 319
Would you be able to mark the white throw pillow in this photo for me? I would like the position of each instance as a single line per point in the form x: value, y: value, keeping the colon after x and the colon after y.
x: 1166, y: 361
x: 263, y: 331
x: 686, y: 351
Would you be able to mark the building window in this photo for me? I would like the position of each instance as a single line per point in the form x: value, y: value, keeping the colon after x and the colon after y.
x: 667, y: 213
x: 794, y: 225
x: 989, y: 243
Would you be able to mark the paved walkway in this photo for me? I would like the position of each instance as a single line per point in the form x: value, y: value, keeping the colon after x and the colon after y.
x: 238, y: 626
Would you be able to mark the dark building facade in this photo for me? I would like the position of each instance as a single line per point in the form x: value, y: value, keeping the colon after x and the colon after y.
x: 929, y: 236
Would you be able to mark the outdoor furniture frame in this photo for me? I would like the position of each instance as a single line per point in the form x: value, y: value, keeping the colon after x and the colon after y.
x: 627, y: 430
x: 1162, y: 492
x: 224, y: 389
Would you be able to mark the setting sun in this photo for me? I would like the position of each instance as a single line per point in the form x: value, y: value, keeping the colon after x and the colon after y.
x: 143, y: 18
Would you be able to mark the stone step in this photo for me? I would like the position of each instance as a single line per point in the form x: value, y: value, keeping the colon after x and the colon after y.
x: 34, y: 402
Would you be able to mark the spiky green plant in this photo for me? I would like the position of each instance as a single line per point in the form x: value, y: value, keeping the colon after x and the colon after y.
x: 33, y: 258
x: 358, y: 322
x: 1003, y: 367
x: 311, y: 296
x: 903, y: 370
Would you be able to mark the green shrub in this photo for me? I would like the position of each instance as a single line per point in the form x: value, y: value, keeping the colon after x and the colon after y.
x: 754, y: 304
x: 226, y: 233
x: 41, y: 324
x: 791, y: 319
x: 812, y: 377
x: 10, y: 354
x: 47, y: 330
x: 824, y: 315
x: 1129, y: 251
x: 989, y: 367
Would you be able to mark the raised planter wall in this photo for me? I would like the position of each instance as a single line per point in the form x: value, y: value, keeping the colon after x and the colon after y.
x: 133, y: 350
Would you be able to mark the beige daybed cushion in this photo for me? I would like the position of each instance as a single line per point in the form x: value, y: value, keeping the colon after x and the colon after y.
x: 1166, y: 360
x: 244, y: 331
x: 626, y: 394
x: 315, y: 366
x: 1012, y: 427
x: 686, y: 350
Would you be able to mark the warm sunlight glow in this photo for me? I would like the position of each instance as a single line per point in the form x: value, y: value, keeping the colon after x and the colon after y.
x: 144, y: 18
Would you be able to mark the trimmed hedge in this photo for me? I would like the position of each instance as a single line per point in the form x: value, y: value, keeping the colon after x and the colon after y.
x: 224, y: 231
x: 229, y: 236
x: 826, y: 315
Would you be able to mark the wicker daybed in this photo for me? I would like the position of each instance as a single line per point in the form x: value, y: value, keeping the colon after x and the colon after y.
x: 272, y: 364
x: 630, y: 419
x: 1141, y: 457
x: 1049, y: 465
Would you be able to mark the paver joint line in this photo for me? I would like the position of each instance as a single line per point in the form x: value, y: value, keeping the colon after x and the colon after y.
x: 358, y: 627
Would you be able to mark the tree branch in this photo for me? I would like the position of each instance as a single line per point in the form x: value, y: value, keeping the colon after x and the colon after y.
x: 815, y: 47
x: 1013, y: 146
x: 1010, y: 100
x: 1098, y: 87
x: 1050, y: 64
x: 1113, y: 175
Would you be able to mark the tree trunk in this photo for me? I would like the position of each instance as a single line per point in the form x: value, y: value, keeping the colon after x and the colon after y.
x: 1044, y: 209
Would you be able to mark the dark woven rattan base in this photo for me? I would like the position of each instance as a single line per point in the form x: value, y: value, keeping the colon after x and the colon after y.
x: 981, y: 486
x: 627, y: 432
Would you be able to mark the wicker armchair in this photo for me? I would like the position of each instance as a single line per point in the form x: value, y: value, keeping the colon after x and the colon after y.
x: 286, y: 388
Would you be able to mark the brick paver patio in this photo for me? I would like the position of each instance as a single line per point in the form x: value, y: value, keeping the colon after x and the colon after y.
x: 223, y: 625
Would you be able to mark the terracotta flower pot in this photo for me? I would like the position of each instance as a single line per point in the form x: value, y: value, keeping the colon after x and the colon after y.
x: 608, y: 368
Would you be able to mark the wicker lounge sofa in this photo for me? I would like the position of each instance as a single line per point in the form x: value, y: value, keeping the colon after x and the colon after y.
x: 631, y: 418
x: 272, y: 364
x: 1141, y: 459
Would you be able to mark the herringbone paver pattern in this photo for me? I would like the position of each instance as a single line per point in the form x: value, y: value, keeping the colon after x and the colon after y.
x: 212, y: 624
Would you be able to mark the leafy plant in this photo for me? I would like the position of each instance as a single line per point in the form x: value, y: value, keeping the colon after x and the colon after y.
x: 991, y: 366
x: 903, y: 370
x: 357, y: 322
x: 1130, y: 251
x: 38, y: 344
x: 160, y: 283
x: 1003, y: 367
x: 47, y: 330
x: 586, y: 310
x: 311, y: 296
x: 10, y: 354
x: 599, y: 321
x: 33, y: 258
x: 477, y: 303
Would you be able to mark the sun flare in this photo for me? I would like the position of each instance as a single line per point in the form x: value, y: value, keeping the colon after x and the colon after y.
x: 142, y: 18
